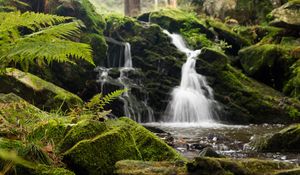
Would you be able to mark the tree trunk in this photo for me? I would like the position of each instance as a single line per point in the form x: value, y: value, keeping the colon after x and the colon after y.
x: 132, y: 7
x: 173, y: 3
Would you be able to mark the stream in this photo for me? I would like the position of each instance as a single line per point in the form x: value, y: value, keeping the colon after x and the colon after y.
x: 228, y: 140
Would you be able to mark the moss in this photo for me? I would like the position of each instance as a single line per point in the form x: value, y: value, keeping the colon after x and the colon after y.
x: 268, y: 63
x: 287, y: 140
x: 85, y: 129
x: 50, y: 131
x: 48, y: 170
x: 286, y: 16
x: 223, y: 166
x: 150, y: 146
x: 36, y: 90
x: 225, y: 33
x: 99, y: 154
x: 155, y: 168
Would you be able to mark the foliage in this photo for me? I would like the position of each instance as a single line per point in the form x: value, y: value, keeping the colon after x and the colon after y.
x: 30, y: 37
x: 95, y: 107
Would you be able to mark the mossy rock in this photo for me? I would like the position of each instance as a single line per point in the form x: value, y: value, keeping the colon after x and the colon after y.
x: 135, y: 167
x: 225, y: 33
x: 97, y: 151
x: 268, y: 63
x: 225, y: 166
x: 99, y: 154
x: 286, y: 140
x: 83, y: 130
x: 287, y: 15
x: 150, y: 146
x: 48, y: 170
x: 17, y: 115
x: 36, y: 90
x: 50, y: 131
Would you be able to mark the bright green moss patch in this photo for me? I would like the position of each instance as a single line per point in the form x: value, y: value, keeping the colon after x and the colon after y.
x: 98, y: 155
x: 85, y: 129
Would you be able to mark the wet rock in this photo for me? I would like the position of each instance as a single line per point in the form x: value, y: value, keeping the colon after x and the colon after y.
x: 210, y: 152
x: 287, y: 140
x: 287, y: 15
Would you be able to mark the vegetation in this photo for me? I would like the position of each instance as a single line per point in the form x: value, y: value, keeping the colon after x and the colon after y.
x: 60, y: 116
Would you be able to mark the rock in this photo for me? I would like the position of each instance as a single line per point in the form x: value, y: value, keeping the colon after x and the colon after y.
x: 134, y: 167
x: 246, y: 12
x: 49, y: 132
x: 203, y: 166
x: 209, y: 152
x: 268, y: 63
x: 17, y: 115
x: 96, y: 146
x: 225, y: 33
x: 295, y: 171
x: 48, y: 170
x: 286, y: 140
x: 36, y: 90
x: 287, y: 15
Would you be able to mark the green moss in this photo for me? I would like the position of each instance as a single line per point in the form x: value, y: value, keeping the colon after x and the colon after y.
x: 146, y: 167
x: 37, y: 90
x: 85, y: 129
x: 268, y: 63
x: 48, y: 170
x: 99, y: 154
x: 151, y: 147
x: 224, y: 166
x: 50, y: 131
x: 225, y: 33
x: 287, y: 140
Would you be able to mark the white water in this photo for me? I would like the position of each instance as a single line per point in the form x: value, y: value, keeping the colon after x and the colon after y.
x: 191, y: 101
x: 132, y: 106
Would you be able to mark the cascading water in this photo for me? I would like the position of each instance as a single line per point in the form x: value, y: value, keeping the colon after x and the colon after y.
x: 134, y: 108
x: 191, y: 101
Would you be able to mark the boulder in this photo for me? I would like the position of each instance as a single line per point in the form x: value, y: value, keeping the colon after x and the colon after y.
x: 222, y: 166
x: 286, y: 140
x: 36, y: 90
x: 286, y: 16
x: 209, y: 152
x: 268, y: 63
x: 135, y: 167
x: 246, y: 12
x: 94, y: 147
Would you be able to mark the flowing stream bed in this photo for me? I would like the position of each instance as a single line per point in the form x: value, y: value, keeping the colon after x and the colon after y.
x: 229, y: 140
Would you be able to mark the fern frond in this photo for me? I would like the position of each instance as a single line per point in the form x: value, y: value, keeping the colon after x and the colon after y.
x: 63, y: 31
x: 112, y: 96
x: 43, y: 49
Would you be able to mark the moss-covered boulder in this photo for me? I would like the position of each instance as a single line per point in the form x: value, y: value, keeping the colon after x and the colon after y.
x: 36, y: 90
x: 97, y: 151
x: 287, y: 15
x: 268, y: 63
x: 245, y: 11
x: 286, y: 140
x: 224, y: 166
x: 18, y: 116
x: 135, y: 167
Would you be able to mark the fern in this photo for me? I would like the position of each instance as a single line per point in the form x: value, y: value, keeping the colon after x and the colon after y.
x: 95, y: 107
x: 48, y: 39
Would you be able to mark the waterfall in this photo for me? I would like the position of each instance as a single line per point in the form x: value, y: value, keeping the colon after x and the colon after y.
x: 134, y: 107
x: 191, y: 101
